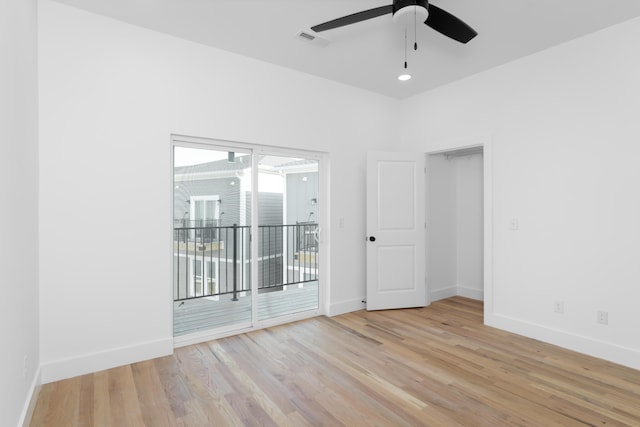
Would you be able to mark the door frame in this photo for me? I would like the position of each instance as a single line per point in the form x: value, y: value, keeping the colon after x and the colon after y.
x: 322, y: 218
x: 486, y: 142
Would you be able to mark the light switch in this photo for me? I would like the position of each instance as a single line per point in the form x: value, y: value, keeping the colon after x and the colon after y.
x: 513, y: 225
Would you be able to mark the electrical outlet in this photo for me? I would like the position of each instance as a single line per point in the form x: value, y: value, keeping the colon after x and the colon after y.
x: 603, y: 317
x: 558, y: 307
x: 514, y: 224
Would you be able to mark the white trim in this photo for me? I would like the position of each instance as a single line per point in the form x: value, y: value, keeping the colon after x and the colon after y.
x: 605, y: 350
x: 487, y: 166
x: 287, y: 318
x: 471, y: 142
x: 209, y: 143
x: 255, y: 233
x: 477, y: 294
x: 486, y: 142
x: 443, y: 293
x: 30, y: 403
x: 323, y: 213
x: 346, y: 306
x: 453, y: 291
x: 170, y: 232
x: 93, y: 362
x: 285, y: 220
x: 209, y: 335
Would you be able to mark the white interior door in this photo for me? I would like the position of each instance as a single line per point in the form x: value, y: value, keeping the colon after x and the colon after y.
x: 396, y: 231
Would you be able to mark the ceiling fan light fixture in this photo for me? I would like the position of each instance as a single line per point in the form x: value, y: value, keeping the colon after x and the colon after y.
x: 409, y: 15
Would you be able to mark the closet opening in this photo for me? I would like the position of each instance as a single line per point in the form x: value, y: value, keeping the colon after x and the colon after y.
x: 455, y: 223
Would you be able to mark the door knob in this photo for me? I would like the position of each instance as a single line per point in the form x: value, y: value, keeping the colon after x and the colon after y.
x: 372, y: 238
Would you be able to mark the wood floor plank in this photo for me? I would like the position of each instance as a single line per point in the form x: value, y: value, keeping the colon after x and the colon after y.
x: 153, y: 401
x: 125, y: 408
x: 42, y: 408
x: 433, y: 366
x: 86, y: 403
x: 64, y: 411
x: 173, y: 383
x: 101, y: 399
x: 259, y: 399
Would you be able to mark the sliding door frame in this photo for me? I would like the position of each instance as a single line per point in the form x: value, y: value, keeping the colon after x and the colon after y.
x: 257, y: 150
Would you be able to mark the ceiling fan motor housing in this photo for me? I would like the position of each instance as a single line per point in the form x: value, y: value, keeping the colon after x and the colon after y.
x: 408, y: 12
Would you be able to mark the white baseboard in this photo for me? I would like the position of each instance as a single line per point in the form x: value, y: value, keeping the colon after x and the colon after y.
x: 347, y: 306
x: 442, y: 293
x: 89, y: 363
x: 452, y: 291
x: 30, y: 404
x: 477, y: 294
x: 604, y: 350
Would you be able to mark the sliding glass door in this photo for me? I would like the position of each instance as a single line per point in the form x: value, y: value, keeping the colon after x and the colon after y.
x: 211, y: 239
x: 288, y: 256
x: 239, y: 258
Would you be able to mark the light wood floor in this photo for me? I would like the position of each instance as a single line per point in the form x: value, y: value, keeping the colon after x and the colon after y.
x: 437, y: 366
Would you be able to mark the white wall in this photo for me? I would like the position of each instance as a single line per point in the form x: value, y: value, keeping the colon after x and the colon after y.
x: 441, y: 228
x: 563, y: 126
x: 469, y: 226
x: 565, y: 130
x: 455, y: 226
x: 18, y: 207
x: 111, y: 94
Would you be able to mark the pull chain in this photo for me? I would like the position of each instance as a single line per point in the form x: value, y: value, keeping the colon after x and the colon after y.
x: 405, y: 48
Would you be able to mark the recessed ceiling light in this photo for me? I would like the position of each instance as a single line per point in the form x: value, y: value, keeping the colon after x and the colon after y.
x: 404, y: 77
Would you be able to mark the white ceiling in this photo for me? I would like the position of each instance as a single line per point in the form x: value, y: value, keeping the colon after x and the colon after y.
x: 370, y: 54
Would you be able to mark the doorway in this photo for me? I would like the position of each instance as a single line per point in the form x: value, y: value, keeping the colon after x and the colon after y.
x: 455, y: 223
x: 246, y: 246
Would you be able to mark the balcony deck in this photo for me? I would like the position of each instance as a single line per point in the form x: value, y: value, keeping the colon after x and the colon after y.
x: 214, y: 312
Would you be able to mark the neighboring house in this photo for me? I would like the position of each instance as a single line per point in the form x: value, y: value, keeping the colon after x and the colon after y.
x: 212, y: 217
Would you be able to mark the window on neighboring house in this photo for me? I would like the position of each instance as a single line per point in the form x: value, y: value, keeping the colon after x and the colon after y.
x: 204, y: 215
x: 205, y: 211
x: 203, y: 285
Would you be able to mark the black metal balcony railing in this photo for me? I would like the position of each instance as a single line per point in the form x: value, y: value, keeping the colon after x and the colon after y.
x: 213, y: 261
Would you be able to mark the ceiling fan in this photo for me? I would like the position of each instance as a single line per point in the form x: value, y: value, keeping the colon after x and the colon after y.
x: 409, y: 10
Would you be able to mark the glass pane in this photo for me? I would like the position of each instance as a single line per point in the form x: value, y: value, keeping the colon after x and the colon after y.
x: 209, y: 213
x: 211, y: 239
x: 288, y: 236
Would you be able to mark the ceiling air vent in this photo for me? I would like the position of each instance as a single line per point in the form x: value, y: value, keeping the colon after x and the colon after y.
x: 311, y: 37
x: 307, y: 36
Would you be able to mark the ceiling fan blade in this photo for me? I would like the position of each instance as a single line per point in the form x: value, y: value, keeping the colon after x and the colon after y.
x: 352, y: 19
x: 447, y: 24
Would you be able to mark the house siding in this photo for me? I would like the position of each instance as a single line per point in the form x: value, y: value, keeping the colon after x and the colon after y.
x: 300, y: 207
